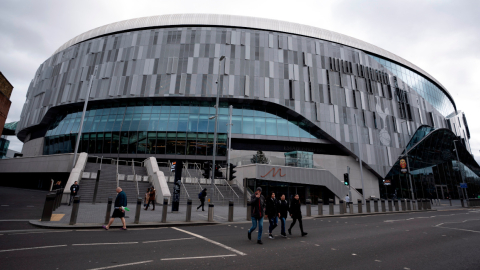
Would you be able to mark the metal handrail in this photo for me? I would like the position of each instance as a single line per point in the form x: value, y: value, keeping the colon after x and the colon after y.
x: 117, y: 174
x: 101, y: 163
x: 218, y: 189
x: 188, y: 195
x: 198, y: 180
x: 135, y: 177
x: 232, y: 189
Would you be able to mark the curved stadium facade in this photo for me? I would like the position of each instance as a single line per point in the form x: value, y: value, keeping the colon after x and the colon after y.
x: 292, y: 87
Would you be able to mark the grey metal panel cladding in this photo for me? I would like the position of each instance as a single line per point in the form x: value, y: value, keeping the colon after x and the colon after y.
x: 245, y: 79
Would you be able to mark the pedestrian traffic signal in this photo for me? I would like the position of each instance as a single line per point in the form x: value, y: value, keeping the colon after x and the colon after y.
x: 346, y: 180
x: 206, y: 170
x: 232, y: 172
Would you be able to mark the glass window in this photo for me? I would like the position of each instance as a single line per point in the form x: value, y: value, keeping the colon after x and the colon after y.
x: 181, y: 144
x: 135, y: 122
x: 132, y: 142
x: 222, y: 124
x: 99, y: 145
x: 259, y: 126
x: 247, y: 127
x: 171, y: 141
x: 142, y: 142
x: 236, y: 124
x: 293, y: 130
x: 161, y: 144
x: 203, y: 123
x: 271, y: 126
x: 144, y: 122
x: 282, y: 127
x: 202, y: 144
x: 115, y: 143
x: 182, y: 123
x: 173, y: 122
x: 192, y: 123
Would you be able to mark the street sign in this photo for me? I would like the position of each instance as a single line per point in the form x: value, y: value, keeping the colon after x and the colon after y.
x: 463, y: 185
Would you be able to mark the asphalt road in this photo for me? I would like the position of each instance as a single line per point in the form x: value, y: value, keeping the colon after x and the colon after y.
x: 430, y: 240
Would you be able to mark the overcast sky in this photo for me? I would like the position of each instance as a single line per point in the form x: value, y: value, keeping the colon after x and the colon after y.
x: 441, y: 37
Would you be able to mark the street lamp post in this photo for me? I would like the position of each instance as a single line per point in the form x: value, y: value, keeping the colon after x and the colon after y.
x: 212, y: 184
x: 85, y: 104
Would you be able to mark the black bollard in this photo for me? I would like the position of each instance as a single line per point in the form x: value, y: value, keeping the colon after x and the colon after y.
x: 383, y: 206
x: 367, y: 202
x: 189, y: 210
x: 138, y: 210
x: 230, y: 211
x: 164, y: 210
x: 109, y: 210
x: 375, y: 205
x: 341, y: 207
x: 360, y: 208
x: 76, y: 205
x: 48, y: 207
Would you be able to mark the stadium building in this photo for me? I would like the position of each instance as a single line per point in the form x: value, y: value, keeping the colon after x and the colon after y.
x: 315, y: 102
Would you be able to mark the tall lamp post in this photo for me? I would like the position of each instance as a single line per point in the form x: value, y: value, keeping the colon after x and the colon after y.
x: 212, y: 184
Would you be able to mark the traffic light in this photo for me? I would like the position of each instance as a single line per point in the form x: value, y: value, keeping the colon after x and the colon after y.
x: 206, y: 170
x: 346, y: 181
x: 232, y: 172
x: 218, y: 173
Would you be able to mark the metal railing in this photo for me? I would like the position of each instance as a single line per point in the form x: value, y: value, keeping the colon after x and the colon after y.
x: 198, y: 180
x: 135, y: 178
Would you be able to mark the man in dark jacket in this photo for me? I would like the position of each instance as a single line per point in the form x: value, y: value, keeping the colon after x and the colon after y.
x: 202, y: 197
x: 151, y: 198
x: 258, y: 208
x: 272, y: 213
x: 283, y: 212
x: 119, y: 209
x: 73, y: 191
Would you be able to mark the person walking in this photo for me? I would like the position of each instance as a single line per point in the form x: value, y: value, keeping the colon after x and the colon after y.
x: 151, y: 198
x: 119, y: 211
x: 283, y: 213
x: 272, y: 213
x: 73, y: 191
x: 258, y: 211
x: 347, y: 200
x: 296, y: 214
x: 202, y: 195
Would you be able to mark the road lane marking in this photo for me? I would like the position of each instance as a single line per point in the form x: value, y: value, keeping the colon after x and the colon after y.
x: 121, y: 265
x: 202, y: 257
x: 40, y: 232
x: 18, y: 249
x: 459, y: 229
x: 167, y: 240
x: 99, y: 244
x: 211, y: 241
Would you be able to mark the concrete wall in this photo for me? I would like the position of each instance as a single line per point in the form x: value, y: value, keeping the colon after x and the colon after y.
x: 337, y: 165
x: 40, y: 164
x: 33, y: 148
x: 158, y: 180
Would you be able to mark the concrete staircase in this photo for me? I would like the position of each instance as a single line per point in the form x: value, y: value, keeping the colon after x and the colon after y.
x: 108, y: 183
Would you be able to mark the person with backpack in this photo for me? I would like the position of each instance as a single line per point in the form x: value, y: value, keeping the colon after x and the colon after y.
x: 201, y: 197
x: 283, y: 213
x: 73, y: 191
x: 151, y: 198
x: 272, y: 213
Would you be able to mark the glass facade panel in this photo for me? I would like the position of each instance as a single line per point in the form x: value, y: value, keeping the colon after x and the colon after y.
x: 163, y: 128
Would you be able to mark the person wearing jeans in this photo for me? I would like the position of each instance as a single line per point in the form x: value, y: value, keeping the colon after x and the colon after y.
x: 258, y: 211
x: 283, y: 213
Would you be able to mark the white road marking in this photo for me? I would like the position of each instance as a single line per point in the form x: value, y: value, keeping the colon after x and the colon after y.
x: 17, y: 249
x: 317, y: 245
x: 211, y: 241
x: 459, y: 229
x: 99, y: 244
x: 167, y: 240
x: 202, y: 257
x: 220, y: 217
x: 354, y: 254
x: 120, y: 265
x: 40, y: 232
x: 378, y: 261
